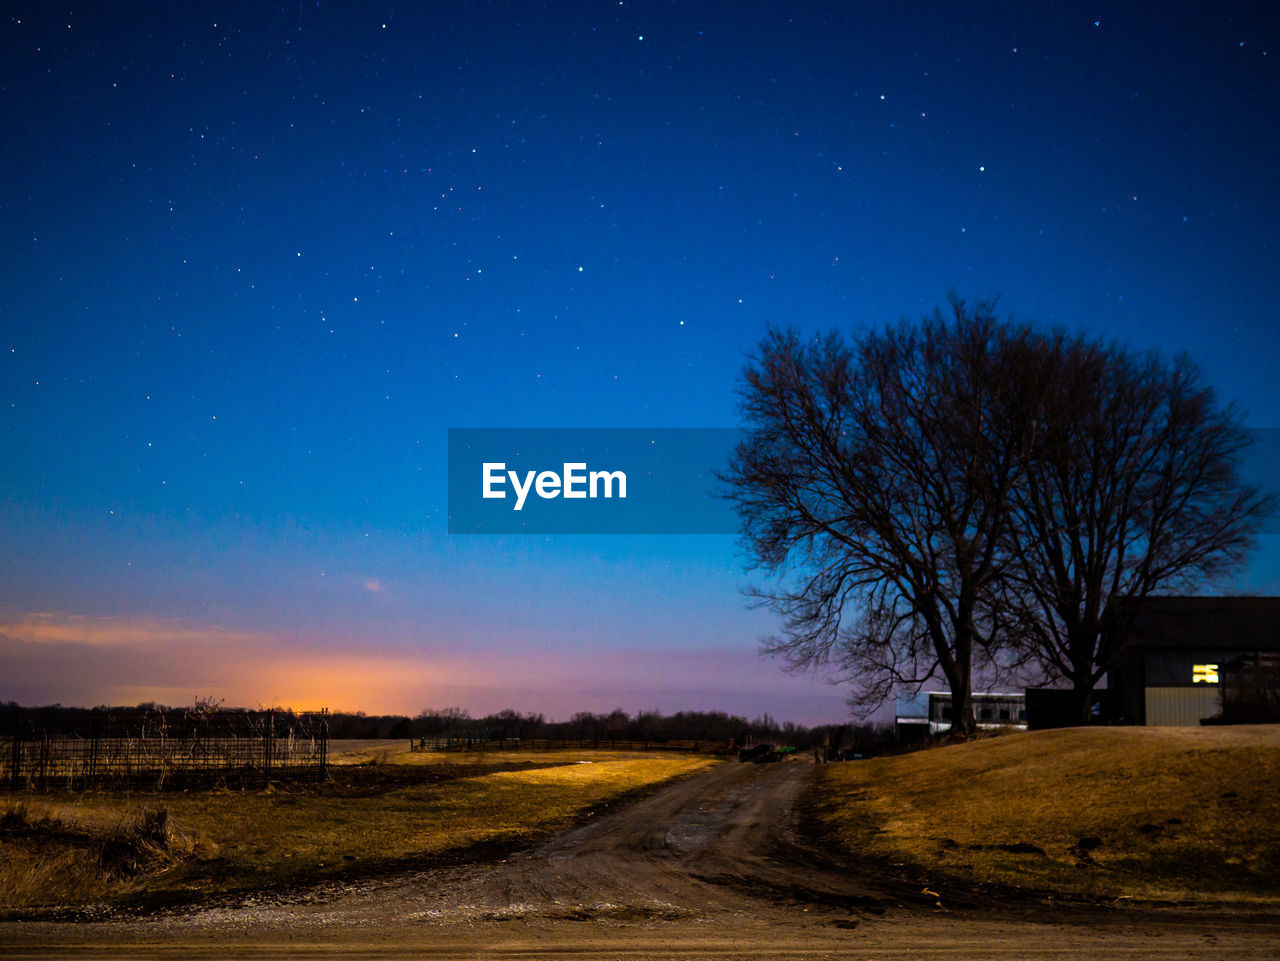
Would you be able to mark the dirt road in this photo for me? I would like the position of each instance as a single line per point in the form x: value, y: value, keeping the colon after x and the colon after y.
x: 709, y: 867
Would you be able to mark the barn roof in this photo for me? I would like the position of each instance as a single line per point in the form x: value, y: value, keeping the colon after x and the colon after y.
x: 1229, y: 623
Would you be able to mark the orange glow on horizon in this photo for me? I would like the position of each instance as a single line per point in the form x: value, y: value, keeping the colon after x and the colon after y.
x: 134, y: 660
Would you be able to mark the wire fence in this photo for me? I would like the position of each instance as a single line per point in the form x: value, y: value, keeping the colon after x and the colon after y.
x: 161, y: 748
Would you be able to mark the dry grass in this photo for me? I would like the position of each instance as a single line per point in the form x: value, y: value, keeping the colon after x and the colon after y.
x: 1183, y: 813
x: 49, y: 856
x: 355, y: 753
x: 368, y: 819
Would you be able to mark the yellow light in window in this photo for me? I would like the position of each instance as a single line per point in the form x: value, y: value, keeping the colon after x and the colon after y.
x: 1204, y: 673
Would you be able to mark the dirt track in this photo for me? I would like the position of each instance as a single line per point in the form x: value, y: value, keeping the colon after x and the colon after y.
x: 706, y: 868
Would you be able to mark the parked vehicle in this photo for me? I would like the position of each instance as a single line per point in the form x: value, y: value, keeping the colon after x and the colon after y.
x: 760, y: 753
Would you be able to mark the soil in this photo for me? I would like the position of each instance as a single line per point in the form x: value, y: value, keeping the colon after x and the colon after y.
x: 709, y: 867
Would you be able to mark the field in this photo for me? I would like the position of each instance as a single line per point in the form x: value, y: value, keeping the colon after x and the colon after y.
x: 708, y: 864
x: 1153, y: 813
x: 383, y: 808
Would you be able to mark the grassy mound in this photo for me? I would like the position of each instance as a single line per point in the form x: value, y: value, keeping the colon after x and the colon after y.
x: 1158, y: 813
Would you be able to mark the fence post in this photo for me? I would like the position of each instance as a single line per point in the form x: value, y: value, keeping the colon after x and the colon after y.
x: 16, y: 771
x: 268, y: 738
x: 45, y: 744
x: 93, y: 747
x: 324, y: 741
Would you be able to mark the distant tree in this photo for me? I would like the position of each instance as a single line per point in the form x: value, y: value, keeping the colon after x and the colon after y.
x: 436, y: 722
x: 764, y: 723
x: 506, y: 721
x: 588, y: 726
x: 875, y: 482
x: 401, y: 728
x: 1133, y: 488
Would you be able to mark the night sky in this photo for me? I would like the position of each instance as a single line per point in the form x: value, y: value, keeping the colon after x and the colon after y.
x: 258, y: 259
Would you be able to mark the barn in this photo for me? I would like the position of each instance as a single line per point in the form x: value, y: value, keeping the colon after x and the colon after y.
x: 1189, y: 659
x: 928, y: 713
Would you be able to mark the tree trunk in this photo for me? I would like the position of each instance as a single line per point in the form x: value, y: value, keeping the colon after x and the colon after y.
x: 1084, y: 704
x: 961, y: 681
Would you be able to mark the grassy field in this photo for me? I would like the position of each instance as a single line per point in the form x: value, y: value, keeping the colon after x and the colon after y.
x: 1156, y: 813
x: 398, y: 753
x: 382, y: 808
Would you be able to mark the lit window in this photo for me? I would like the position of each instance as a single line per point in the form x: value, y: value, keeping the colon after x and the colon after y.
x: 1204, y: 673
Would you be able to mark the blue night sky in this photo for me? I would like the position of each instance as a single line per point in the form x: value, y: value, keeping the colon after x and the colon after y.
x: 259, y: 258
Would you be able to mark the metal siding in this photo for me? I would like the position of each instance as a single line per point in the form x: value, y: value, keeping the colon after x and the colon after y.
x: 1182, y: 706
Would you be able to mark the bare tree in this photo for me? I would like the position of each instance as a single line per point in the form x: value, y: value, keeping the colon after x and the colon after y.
x: 435, y: 722
x: 875, y: 482
x: 1133, y: 488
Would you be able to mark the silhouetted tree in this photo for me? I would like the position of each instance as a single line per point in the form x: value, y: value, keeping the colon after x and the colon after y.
x: 875, y: 481
x: 1133, y: 488
x: 436, y: 722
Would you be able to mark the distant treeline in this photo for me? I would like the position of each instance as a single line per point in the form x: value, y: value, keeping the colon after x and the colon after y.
x: 651, y: 726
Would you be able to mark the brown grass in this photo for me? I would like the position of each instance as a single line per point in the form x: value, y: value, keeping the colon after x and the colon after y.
x: 369, y: 818
x: 398, y: 753
x: 1182, y: 813
x: 50, y: 857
